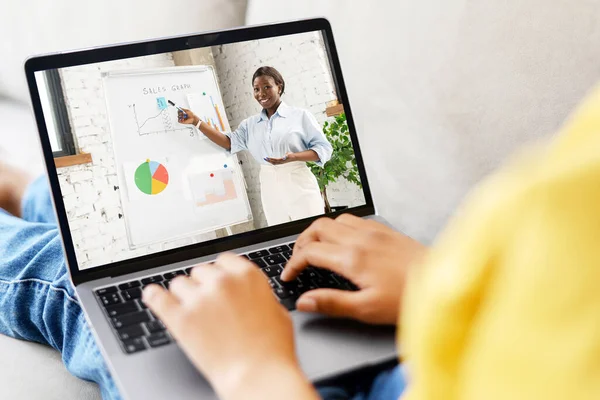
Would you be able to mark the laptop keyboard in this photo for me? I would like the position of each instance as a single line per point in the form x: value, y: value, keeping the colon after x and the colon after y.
x: 138, y: 329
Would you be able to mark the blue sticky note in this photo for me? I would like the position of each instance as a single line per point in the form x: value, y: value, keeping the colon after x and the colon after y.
x: 161, y: 102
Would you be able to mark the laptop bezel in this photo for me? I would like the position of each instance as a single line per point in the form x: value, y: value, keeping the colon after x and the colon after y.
x: 171, y: 44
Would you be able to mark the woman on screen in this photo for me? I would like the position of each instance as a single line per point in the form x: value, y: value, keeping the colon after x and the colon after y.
x: 282, y: 139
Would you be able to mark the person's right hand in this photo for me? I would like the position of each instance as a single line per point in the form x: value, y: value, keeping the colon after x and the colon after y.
x: 371, y: 255
x: 191, y: 119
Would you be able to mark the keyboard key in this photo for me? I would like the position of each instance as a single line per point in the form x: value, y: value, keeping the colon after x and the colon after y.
x: 130, y: 332
x: 134, y: 345
x: 173, y: 274
x: 287, y: 254
x: 285, y: 284
x: 309, y: 286
x: 152, y: 279
x: 166, y: 284
x: 311, y: 273
x: 122, y: 308
x: 272, y: 271
x: 141, y: 304
x: 291, y: 245
x: 279, y: 249
x: 132, y: 294
x: 295, y: 287
x: 258, y: 254
x: 110, y: 299
x: 129, y: 285
x: 281, y: 292
x: 260, y: 262
x: 289, y: 303
x: 130, y: 319
x: 158, y: 339
x: 274, y: 259
x: 273, y: 283
x: 327, y: 282
x: 155, y: 326
x: 106, y: 290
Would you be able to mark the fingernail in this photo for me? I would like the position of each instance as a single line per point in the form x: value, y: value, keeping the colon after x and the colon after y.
x: 149, y: 292
x: 306, y: 304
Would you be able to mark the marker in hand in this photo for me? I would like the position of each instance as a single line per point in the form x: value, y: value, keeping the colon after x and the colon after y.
x: 179, y: 108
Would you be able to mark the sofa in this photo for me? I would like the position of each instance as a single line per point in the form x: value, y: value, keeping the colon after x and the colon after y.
x: 443, y: 92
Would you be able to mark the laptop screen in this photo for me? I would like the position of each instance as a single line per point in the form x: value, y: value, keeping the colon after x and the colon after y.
x: 169, y: 150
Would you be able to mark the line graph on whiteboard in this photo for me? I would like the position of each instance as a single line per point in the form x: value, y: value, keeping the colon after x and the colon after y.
x: 160, y: 122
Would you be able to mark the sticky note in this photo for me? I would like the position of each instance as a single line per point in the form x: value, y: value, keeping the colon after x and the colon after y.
x: 161, y: 102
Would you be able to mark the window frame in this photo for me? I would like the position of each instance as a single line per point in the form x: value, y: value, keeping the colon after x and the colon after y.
x: 62, y: 128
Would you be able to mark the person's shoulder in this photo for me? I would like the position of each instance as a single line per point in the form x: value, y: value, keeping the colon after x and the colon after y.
x: 251, y: 120
x: 289, y: 110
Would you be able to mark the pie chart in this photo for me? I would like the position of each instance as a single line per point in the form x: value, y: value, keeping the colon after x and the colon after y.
x: 151, y: 177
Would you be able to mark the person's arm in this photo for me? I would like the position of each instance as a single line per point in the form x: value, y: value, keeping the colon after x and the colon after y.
x: 319, y: 149
x: 307, y: 155
x: 227, y: 321
x: 315, y: 139
x: 213, y: 134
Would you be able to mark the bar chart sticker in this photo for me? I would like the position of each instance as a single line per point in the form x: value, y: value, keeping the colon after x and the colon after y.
x: 206, y: 106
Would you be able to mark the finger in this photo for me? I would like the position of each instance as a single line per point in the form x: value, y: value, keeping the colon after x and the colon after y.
x: 326, y: 230
x: 361, y: 223
x: 162, y: 303
x: 183, y: 288
x: 318, y: 254
x: 230, y: 262
x: 204, y: 273
x: 336, y: 303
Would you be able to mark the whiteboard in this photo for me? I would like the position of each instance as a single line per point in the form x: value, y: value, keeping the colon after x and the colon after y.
x: 173, y: 181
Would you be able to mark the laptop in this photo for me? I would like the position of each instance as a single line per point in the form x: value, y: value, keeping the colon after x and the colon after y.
x: 141, y: 198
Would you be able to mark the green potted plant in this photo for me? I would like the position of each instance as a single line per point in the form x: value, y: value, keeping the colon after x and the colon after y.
x: 343, y: 161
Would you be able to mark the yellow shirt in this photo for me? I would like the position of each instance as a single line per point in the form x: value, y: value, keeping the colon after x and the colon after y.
x: 507, y: 305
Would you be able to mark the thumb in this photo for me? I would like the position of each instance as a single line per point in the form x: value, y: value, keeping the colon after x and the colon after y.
x: 162, y: 303
x: 336, y: 303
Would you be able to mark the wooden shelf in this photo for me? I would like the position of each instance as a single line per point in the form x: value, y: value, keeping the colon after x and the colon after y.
x: 334, y: 110
x: 77, y: 159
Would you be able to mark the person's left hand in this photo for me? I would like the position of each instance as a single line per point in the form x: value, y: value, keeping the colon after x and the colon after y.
x: 289, y: 157
x: 227, y: 320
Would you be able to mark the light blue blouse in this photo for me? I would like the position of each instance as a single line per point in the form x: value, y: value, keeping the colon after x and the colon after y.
x: 290, y: 129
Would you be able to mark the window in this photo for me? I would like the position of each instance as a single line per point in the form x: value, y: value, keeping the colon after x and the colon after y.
x: 55, y: 113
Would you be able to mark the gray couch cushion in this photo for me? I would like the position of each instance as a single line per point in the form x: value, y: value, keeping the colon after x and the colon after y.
x: 68, y: 24
x: 32, y: 371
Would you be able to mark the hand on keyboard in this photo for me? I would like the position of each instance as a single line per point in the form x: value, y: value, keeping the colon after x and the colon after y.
x: 371, y: 255
x: 227, y: 320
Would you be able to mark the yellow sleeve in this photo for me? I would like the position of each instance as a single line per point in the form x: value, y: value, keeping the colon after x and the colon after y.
x: 507, y: 305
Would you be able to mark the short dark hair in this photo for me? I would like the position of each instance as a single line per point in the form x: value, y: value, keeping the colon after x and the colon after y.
x: 273, y: 73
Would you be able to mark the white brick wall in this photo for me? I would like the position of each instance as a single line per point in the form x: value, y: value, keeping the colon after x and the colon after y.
x: 302, y: 61
x: 92, y: 203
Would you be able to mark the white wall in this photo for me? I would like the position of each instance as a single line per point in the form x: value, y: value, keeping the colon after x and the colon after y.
x: 302, y: 61
x: 92, y: 203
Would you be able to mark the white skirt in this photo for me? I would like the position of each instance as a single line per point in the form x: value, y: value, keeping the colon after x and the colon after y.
x: 289, y: 192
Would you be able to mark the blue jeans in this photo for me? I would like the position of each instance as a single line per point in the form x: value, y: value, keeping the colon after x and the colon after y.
x: 38, y: 303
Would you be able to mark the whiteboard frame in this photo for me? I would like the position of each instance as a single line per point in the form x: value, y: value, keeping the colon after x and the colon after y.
x: 120, y: 179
